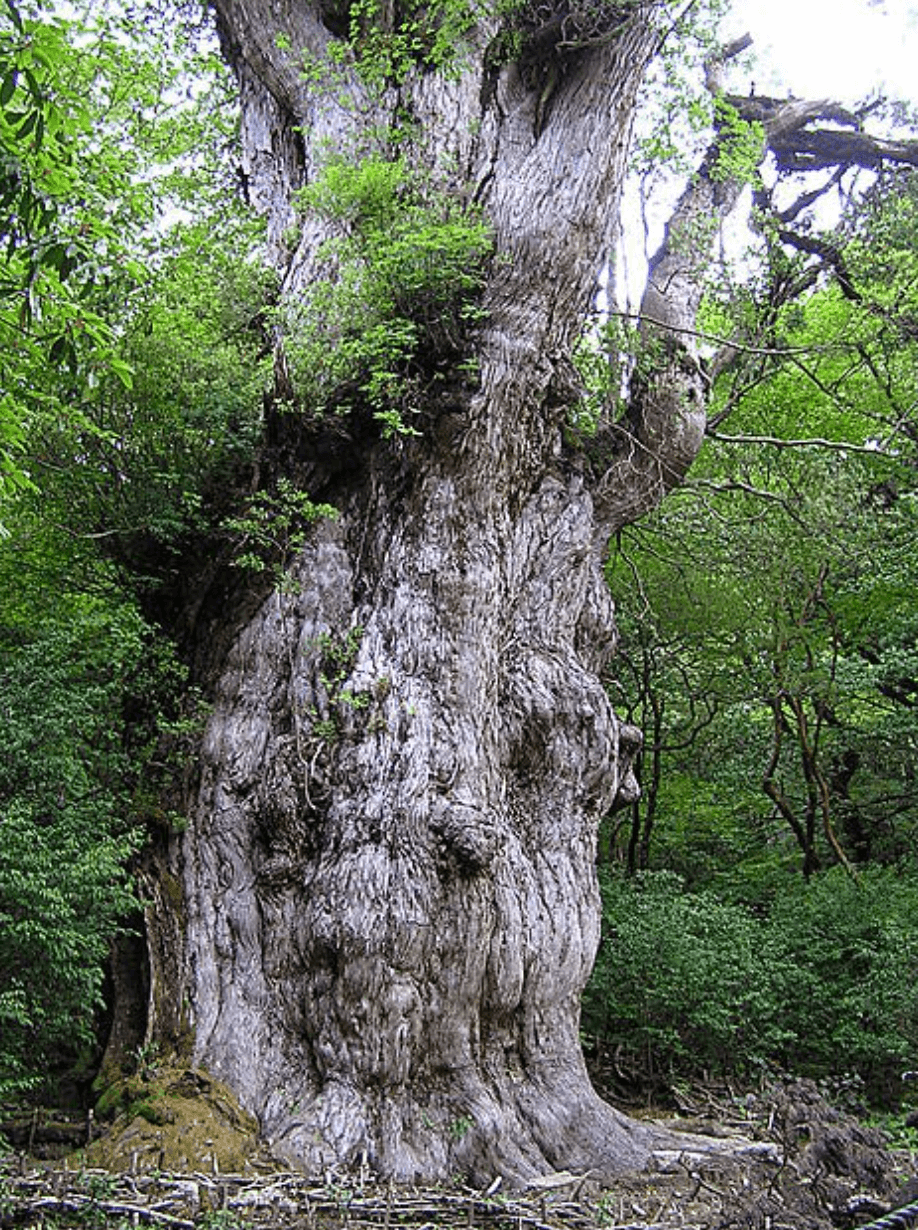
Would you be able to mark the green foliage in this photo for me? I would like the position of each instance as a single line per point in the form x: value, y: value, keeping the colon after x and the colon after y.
x: 769, y: 654
x: 773, y: 639
x: 823, y: 983
x: 150, y: 464
x: 339, y: 654
x: 603, y: 358
x: 768, y: 640
x: 382, y: 44
x: 133, y: 362
x: 339, y: 705
x: 388, y: 41
x: 47, y: 264
x: 96, y: 137
x: 402, y: 277
x: 65, y: 820
x: 675, y: 121
x: 144, y: 440
x: 852, y: 1002
x: 682, y: 979
x: 273, y: 528
x: 740, y: 145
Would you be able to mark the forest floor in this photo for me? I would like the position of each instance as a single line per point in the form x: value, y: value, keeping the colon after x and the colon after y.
x: 813, y: 1167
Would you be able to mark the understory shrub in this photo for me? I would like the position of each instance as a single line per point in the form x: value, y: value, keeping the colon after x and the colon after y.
x: 825, y: 984
x: 65, y: 830
x: 681, y: 979
x: 851, y: 948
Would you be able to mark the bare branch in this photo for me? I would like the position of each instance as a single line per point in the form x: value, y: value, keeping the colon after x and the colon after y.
x: 797, y: 146
x: 811, y: 151
x: 771, y: 497
x: 779, y: 352
x: 843, y: 446
x: 715, y: 65
x: 806, y: 199
x: 828, y: 253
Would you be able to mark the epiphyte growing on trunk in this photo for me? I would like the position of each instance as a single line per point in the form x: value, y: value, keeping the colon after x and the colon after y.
x: 395, y: 293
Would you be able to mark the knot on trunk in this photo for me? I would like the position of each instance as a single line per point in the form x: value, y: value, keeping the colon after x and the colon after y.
x: 465, y: 832
x: 630, y: 742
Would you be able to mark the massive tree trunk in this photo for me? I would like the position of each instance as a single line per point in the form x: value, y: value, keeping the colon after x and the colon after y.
x: 391, y: 904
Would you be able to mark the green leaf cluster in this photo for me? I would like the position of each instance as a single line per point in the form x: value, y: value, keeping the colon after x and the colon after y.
x: 103, y: 142
x: 66, y: 827
x: 390, y: 40
x: 740, y: 145
x: 403, y: 272
x: 681, y: 979
x: 689, y: 984
x: 675, y: 119
x: 47, y: 248
x: 273, y: 528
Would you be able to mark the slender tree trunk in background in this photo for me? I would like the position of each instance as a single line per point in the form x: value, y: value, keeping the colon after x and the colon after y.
x: 391, y: 905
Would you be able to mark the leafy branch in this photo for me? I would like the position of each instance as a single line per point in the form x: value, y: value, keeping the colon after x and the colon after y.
x: 274, y: 528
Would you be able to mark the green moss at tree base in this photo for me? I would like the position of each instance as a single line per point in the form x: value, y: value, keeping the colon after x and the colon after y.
x: 175, y: 1118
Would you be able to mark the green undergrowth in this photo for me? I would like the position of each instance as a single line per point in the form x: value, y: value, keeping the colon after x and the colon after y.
x: 821, y: 982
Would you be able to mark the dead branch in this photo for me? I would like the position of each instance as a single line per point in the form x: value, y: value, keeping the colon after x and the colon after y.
x: 842, y: 446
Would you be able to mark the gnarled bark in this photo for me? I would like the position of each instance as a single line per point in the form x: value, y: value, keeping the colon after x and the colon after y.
x: 392, y: 904
x: 390, y: 894
x: 389, y: 872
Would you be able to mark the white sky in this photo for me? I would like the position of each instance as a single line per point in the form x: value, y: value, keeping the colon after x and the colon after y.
x: 844, y: 49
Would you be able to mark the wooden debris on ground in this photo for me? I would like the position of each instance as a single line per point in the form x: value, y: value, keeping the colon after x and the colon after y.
x: 284, y: 1200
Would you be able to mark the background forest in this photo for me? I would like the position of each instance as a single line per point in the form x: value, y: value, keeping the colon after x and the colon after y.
x: 761, y: 898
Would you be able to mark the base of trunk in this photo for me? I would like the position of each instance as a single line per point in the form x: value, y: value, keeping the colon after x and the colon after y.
x: 542, y: 1124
